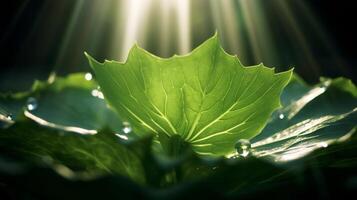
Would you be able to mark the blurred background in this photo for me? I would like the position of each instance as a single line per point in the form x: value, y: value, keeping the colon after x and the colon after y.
x: 43, y: 37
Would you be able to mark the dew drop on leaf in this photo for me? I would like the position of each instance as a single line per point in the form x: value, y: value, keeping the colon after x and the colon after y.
x: 97, y: 93
x: 31, y: 104
x: 9, y: 116
x: 243, y: 147
x: 126, y: 127
x: 88, y: 76
x: 281, y: 116
x: 6, y: 120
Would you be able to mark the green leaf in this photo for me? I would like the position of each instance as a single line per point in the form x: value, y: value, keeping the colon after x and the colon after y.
x: 207, y: 97
x: 74, y: 155
x: 311, y: 118
x: 66, y: 103
x: 311, y: 136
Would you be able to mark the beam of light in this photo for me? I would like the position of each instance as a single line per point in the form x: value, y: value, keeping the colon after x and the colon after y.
x: 99, y: 22
x: 298, y: 35
x: 165, y: 10
x: 136, y: 12
x: 259, y: 35
x: 13, y: 23
x: 217, y: 19
x: 167, y: 26
x: 231, y: 25
x: 184, y: 35
x: 252, y: 32
x: 316, y: 26
x: 226, y: 20
x: 74, y: 19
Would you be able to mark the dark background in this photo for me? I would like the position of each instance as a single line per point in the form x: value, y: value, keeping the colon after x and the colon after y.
x: 29, y: 47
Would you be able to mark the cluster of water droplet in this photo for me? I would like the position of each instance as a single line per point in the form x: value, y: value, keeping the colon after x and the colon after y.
x: 97, y: 93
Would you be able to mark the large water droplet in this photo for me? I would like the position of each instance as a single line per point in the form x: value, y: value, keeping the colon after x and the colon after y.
x: 126, y: 127
x: 31, y: 104
x: 88, y: 76
x: 243, y: 147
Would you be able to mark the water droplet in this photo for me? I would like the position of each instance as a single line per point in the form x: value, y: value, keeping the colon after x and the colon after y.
x: 94, y: 93
x: 88, y: 76
x: 31, y: 104
x: 51, y: 78
x: 243, y: 147
x: 126, y: 127
x: 281, y: 116
x: 9, y: 116
x: 6, y: 120
x: 97, y: 93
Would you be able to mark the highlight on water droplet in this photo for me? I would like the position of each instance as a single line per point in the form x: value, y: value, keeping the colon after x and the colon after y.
x: 126, y: 127
x: 97, y: 93
x: 281, y: 116
x: 88, y: 76
x: 31, y: 104
x: 243, y: 147
x: 9, y: 116
x: 6, y: 120
x: 52, y: 77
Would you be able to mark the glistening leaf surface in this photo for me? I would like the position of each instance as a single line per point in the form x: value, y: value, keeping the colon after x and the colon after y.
x: 67, y: 152
x: 207, y: 97
x: 67, y: 102
x: 311, y: 118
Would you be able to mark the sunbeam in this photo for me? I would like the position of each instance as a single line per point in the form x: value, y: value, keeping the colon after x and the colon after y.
x: 279, y: 33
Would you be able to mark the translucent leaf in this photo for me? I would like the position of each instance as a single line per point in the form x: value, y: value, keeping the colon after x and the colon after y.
x: 207, y: 97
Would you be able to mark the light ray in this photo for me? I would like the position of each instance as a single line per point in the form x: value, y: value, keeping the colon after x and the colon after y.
x: 183, y: 16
